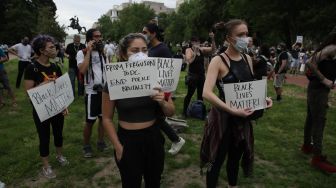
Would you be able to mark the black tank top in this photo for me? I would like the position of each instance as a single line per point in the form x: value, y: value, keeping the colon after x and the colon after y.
x: 136, y: 110
x: 197, y: 66
x: 239, y: 71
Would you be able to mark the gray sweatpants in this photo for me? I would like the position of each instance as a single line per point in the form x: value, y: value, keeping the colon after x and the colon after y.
x: 317, y: 101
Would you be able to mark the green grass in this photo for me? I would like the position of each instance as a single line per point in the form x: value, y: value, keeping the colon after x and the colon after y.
x: 278, y: 136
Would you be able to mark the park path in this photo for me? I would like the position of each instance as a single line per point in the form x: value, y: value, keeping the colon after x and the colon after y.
x: 299, y: 80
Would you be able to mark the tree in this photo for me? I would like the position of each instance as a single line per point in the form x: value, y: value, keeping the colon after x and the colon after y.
x: 46, y: 24
x: 27, y: 18
x: 131, y: 19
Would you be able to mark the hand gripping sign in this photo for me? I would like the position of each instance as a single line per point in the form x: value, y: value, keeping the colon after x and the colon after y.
x: 52, y: 98
x: 138, y: 78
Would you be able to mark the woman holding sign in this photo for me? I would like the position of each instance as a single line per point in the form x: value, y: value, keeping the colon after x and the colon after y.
x: 236, y: 142
x: 40, y: 72
x: 138, y: 144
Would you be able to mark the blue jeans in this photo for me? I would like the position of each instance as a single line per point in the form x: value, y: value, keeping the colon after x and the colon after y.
x: 73, y: 74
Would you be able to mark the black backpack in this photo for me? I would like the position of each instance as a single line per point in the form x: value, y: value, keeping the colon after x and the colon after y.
x: 197, y: 110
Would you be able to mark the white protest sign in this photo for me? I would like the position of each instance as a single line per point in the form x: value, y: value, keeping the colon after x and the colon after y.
x: 299, y: 39
x: 169, y: 73
x: 131, y: 79
x: 52, y: 98
x: 246, y: 94
x: 137, y: 79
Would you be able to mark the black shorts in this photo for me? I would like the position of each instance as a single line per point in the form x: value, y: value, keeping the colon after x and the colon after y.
x: 93, y: 107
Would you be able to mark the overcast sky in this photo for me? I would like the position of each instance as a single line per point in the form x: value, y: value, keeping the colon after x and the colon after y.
x: 88, y: 11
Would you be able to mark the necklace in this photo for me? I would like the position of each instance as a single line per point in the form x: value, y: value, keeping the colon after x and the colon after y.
x: 76, y: 48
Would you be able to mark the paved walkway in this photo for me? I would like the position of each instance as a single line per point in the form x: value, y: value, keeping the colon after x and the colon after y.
x: 299, y: 80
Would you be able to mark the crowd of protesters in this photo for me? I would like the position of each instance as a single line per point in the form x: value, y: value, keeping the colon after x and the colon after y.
x: 138, y: 142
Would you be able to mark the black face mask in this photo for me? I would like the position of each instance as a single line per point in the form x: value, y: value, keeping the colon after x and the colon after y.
x: 25, y: 43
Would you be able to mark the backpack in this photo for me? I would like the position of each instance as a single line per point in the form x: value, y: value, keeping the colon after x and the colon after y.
x: 197, y: 110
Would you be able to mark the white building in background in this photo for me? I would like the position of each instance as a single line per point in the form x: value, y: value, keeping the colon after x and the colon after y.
x: 156, y: 6
x: 178, y: 3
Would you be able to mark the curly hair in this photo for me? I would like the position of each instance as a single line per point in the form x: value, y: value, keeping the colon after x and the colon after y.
x: 40, y: 42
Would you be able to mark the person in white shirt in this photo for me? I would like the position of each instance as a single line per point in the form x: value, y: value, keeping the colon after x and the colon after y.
x: 109, y: 51
x: 23, y: 51
x: 90, y: 62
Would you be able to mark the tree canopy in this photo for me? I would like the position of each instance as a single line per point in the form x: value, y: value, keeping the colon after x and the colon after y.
x: 28, y: 18
x: 269, y: 21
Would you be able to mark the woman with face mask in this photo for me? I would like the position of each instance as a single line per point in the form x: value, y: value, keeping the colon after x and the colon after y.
x: 40, y: 72
x: 138, y: 143
x: 236, y: 141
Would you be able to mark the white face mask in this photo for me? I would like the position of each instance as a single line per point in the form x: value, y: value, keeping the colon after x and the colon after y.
x: 137, y: 57
x: 241, y: 44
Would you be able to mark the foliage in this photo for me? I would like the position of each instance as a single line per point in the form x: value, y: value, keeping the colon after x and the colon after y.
x: 131, y: 19
x: 46, y: 24
x: 269, y: 21
x: 27, y: 18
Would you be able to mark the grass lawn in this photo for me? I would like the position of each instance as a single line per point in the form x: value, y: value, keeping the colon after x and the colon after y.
x: 278, y: 136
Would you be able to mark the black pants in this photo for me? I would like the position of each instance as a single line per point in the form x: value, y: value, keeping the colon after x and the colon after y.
x: 143, y: 156
x: 234, y: 153
x: 168, y: 130
x: 317, y: 101
x: 21, y: 68
x: 192, y: 86
x: 43, y: 130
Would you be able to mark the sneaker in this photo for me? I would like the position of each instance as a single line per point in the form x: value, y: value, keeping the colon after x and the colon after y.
x: 321, y: 163
x: 176, y: 146
x: 307, y: 149
x: 48, y: 172
x: 62, y: 160
x: 87, y: 150
x: 101, y: 146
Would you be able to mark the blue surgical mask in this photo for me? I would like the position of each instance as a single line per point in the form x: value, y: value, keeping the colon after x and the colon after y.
x: 137, y: 57
x: 241, y: 44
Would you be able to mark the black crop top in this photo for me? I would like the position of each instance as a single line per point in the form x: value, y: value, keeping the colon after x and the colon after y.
x: 239, y: 71
x: 136, y: 110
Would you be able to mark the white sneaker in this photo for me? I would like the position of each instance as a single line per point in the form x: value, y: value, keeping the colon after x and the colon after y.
x: 62, y: 160
x: 176, y: 146
x: 48, y: 172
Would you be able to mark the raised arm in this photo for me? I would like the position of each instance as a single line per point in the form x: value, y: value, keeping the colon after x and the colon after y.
x: 212, y: 49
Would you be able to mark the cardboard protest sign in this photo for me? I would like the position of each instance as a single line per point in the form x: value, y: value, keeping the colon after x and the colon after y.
x: 131, y: 79
x: 299, y: 39
x: 169, y: 73
x: 52, y: 98
x: 246, y: 94
x: 137, y: 79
